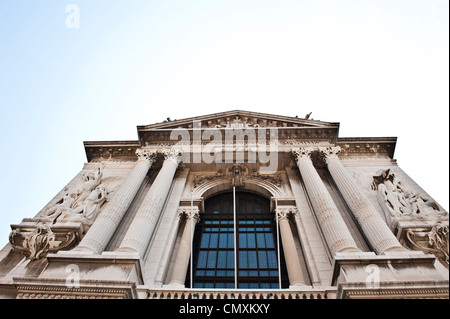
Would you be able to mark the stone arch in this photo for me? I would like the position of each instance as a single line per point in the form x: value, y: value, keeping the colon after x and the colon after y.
x: 261, y: 187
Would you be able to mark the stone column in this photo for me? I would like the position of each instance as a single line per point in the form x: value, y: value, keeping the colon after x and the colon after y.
x: 372, y: 224
x: 293, y: 266
x: 184, y: 250
x: 141, y: 229
x: 334, y: 229
x: 109, y: 218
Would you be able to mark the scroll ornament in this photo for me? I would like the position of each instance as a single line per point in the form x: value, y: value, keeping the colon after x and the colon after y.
x: 434, y: 241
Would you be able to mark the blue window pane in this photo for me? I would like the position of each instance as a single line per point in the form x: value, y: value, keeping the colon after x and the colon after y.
x: 222, y: 259
x: 198, y: 285
x: 272, y: 259
x: 243, y: 259
x: 265, y: 285
x: 223, y: 240
x: 221, y: 273
x: 220, y: 285
x: 253, y: 273
x: 269, y: 240
x: 213, y: 241
x: 260, y: 240
x: 230, y: 259
x: 273, y: 273
x: 243, y: 285
x: 274, y: 285
x: 243, y: 240
x: 200, y: 272
x: 230, y: 240
x: 243, y: 273
x: 209, y: 285
x: 264, y: 273
x: 205, y: 241
x: 253, y: 285
x: 252, y: 260
x: 230, y: 273
x: 202, y: 259
x: 251, y: 242
x: 210, y: 273
x: 229, y: 285
x: 262, y: 259
x: 211, y: 263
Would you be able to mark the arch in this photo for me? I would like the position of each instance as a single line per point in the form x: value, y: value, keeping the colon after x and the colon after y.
x: 261, y: 187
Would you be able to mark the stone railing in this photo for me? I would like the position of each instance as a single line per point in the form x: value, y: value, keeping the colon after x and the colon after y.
x: 310, y: 293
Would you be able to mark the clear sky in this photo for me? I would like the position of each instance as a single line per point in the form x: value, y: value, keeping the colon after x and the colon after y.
x: 380, y: 68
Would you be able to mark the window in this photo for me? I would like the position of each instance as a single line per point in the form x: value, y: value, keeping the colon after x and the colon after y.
x: 257, y: 260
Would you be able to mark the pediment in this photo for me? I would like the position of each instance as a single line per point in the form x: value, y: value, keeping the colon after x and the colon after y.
x: 237, y: 119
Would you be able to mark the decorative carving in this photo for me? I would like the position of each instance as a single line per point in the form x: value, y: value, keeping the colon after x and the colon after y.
x: 61, y: 225
x: 237, y: 173
x: 330, y: 153
x: 172, y: 154
x: 146, y: 154
x: 285, y: 212
x: 41, y: 240
x: 434, y: 241
x: 302, y: 153
x: 189, y: 213
x: 397, y: 201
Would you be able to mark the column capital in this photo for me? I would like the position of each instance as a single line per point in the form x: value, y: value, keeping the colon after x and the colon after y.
x: 301, y: 153
x: 145, y: 154
x: 330, y: 153
x: 285, y: 212
x: 189, y: 213
x: 172, y: 154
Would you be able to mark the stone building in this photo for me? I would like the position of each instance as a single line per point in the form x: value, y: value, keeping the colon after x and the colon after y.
x: 270, y: 207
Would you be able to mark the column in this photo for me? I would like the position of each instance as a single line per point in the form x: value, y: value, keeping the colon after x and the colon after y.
x: 184, y: 250
x: 109, y: 218
x: 293, y: 266
x: 372, y: 224
x: 141, y: 229
x: 334, y: 229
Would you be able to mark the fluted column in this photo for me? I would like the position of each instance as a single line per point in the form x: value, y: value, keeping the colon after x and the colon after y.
x: 372, y: 224
x: 141, y: 229
x: 184, y: 250
x: 293, y: 266
x: 109, y: 218
x: 334, y: 229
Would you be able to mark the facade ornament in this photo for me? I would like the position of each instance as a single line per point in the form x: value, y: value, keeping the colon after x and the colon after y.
x: 146, y: 154
x: 237, y: 173
x: 76, y: 210
x: 285, y: 212
x: 41, y: 240
x: 330, y: 153
x: 434, y: 241
x: 302, y: 153
x: 398, y: 201
x: 172, y: 154
x: 192, y: 213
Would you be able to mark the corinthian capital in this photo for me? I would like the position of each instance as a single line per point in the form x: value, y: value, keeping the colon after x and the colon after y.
x: 144, y: 154
x: 285, y: 212
x: 331, y: 153
x: 302, y: 153
x: 172, y: 154
x: 188, y: 213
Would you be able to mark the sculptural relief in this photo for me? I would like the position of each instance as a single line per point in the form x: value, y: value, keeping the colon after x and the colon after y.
x: 397, y: 201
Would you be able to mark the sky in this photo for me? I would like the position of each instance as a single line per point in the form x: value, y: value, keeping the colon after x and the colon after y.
x: 75, y: 71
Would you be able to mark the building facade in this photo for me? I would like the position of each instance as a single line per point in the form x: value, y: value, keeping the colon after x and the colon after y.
x: 233, y: 205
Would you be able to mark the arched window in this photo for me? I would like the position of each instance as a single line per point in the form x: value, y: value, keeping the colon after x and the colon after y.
x: 257, y: 258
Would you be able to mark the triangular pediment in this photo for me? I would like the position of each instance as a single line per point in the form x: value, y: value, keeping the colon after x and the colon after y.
x: 237, y: 119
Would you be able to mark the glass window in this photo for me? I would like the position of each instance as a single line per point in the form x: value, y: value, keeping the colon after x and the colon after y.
x: 257, y: 261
